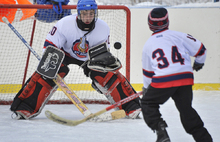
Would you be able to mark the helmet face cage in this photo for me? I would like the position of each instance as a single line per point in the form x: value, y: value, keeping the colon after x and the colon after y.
x: 87, y: 5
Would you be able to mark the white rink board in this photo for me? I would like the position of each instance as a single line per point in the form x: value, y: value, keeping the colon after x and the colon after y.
x: 202, y: 23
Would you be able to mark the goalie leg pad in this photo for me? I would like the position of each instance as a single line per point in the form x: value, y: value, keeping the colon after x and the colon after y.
x: 116, y: 87
x: 31, y: 99
x: 28, y: 102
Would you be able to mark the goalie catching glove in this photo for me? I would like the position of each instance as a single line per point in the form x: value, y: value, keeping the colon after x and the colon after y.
x: 100, y: 59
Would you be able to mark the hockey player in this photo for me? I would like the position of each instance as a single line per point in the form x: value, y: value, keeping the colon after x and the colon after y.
x: 76, y: 35
x: 167, y: 73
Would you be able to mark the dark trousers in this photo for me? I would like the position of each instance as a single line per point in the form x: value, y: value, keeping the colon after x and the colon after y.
x: 182, y: 97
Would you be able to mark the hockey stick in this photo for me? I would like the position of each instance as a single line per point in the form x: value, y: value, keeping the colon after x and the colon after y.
x: 60, y: 82
x: 68, y: 122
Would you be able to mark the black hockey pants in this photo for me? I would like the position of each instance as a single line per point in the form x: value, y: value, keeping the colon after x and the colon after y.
x: 182, y: 97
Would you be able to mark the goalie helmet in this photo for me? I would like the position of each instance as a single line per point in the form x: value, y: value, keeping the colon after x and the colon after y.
x: 86, y: 5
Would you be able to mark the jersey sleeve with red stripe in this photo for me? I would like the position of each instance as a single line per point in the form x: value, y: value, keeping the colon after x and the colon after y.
x: 195, y: 48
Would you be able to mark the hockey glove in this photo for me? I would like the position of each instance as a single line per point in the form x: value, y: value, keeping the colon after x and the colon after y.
x: 100, y: 59
x: 197, y: 66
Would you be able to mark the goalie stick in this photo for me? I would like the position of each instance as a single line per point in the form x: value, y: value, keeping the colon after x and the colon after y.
x: 65, y: 88
x: 68, y: 122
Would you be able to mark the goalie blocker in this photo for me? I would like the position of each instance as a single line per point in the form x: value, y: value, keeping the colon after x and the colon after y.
x: 102, y: 67
x: 50, y: 62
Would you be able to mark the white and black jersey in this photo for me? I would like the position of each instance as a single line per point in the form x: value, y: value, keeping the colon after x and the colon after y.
x: 166, y: 59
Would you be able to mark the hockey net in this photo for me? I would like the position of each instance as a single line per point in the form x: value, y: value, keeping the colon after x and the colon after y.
x: 18, y: 64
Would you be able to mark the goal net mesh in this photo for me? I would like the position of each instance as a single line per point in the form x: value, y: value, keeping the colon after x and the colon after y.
x: 18, y: 64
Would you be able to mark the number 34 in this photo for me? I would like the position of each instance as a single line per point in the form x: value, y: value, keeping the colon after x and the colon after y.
x: 176, y: 57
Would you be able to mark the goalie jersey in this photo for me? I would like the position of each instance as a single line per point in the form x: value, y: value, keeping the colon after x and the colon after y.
x: 67, y: 36
x: 166, y: 59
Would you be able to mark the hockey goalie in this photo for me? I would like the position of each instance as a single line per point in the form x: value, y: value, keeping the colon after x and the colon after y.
x: 84, y: 38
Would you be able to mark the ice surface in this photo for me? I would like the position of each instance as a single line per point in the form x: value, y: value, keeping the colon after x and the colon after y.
x: 41, y: 129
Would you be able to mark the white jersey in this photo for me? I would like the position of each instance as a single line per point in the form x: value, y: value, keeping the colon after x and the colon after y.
x: 67, y: 36
x: 166, y: 59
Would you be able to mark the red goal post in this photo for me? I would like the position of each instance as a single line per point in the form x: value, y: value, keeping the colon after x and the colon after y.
x: 19, y: 64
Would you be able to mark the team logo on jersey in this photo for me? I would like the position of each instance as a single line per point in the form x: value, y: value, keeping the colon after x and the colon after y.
x: 80, y: 47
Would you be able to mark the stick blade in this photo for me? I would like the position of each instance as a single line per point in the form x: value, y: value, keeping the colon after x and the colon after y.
x: 93, y: 117
x: 60, y: 120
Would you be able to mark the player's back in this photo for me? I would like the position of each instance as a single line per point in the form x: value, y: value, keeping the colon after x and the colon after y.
x: 169, y: 58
